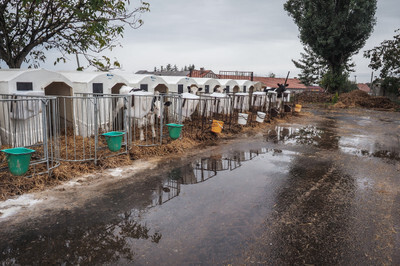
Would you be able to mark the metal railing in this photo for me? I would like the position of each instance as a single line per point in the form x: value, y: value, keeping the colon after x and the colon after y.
x: 29, y: 121
x: 83, y: 119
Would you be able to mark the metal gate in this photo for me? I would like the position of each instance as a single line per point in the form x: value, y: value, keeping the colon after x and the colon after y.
x: 83, y: 119
x: 29, y: 121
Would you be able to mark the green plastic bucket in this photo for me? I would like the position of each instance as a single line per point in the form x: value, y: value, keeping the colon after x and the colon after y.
x: 174, y: 130
x: 114, y: 140
x: 18, y: 160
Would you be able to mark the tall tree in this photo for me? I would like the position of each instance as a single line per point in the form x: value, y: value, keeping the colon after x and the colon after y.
x: 335, y: 30
x: 88, y: 27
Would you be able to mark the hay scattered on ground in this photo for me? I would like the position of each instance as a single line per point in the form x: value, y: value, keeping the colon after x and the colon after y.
x: 193, y: 137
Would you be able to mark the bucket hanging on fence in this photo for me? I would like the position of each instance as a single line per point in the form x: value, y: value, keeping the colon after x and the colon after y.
x: 297, y: 108
x: 260, y: 117
x: 217, y: 126
x: 114, y: 140
x: 174, y: 130
x: 18, y: 160
x: 242, y: 118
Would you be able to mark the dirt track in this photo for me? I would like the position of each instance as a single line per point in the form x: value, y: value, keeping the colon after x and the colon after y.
x: 322, y: 189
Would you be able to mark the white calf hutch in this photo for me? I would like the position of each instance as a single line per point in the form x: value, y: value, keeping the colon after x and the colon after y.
x: 149, y: 83
x: 245, y: 85
x: 229, y: 85
x: 94, y: 82
x: 179, y: 84
x: 208, y: 85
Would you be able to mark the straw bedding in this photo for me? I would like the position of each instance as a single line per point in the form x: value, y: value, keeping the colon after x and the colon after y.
x: 194, y: 135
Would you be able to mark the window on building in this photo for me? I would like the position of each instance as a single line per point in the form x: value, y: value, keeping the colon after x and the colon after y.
x: 207, y: 89
x: 244, y: 88
x: 227, y: 89
x: 180, y: 88
x: 24, y: 86
x: 98, y: 88
x: 144, y: 87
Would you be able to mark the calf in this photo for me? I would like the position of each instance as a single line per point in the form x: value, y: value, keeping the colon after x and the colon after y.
x: 144, y: 109
x: 189, y: 102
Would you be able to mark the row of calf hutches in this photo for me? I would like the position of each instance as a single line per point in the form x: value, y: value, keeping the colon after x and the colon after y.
x: 75, y: 91
x: 67, y: 83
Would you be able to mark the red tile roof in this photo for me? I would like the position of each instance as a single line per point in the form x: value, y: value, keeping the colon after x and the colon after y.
x: 273, y: 82
x: 364, y: 87
x: 202, y: 73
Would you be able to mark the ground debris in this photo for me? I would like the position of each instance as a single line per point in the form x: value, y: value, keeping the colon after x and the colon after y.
x: 358, y: 98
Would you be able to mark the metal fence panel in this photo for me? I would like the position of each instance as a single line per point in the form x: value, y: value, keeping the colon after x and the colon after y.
x: 28, y: 121
x: 83, y: 119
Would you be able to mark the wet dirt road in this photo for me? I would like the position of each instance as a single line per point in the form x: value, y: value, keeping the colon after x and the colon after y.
x: 321, y: 190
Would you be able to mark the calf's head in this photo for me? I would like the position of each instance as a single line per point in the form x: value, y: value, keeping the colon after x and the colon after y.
x: 156, y: 105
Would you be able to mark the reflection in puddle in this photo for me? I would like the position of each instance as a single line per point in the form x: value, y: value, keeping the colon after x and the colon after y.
x: 94, y: 244
x: 201, y: 170
x: 325, y: 137
x: 322, y: 136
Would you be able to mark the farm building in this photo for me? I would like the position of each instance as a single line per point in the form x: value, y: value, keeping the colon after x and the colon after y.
x: 207, y: 84
x: 149, y: 83
x: 22, y: 118
x: 94, y: 82
x: 245, y: 85
x: 179, y: 84
x: 29, y: 81
x: 258, y: 85
x: 295, y: 85
x: 230, y: 85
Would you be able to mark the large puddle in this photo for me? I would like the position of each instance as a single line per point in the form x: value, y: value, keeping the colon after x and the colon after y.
x: 209, y: 210
x: 201, y: 212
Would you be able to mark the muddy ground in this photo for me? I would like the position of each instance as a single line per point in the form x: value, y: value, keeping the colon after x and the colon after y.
x: 322, y: 189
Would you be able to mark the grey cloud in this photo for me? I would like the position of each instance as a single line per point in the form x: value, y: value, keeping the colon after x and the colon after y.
x: 255, y: 35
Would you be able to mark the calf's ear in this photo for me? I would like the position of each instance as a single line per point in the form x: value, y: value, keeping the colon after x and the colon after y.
x: 168, y: 103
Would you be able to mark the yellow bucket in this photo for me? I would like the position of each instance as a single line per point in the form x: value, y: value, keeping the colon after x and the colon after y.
x: 297, y: 108
x: 217, y: 126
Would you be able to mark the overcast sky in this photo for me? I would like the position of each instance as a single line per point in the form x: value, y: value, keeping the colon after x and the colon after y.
x: 246, y: 35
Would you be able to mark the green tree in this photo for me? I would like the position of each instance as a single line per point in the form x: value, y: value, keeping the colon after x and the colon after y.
x: 335, y: 30
x: 386, y: 57
x: 28, y: 28
x: 271, y: 75
x: 314, y: 68
x: 390, y: 85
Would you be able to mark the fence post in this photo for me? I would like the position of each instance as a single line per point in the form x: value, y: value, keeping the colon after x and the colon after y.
x: 96, y: 130
x: 44, y: 103
x: 180, y: 109
x: 127, y: 120
x: 161, y: 117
